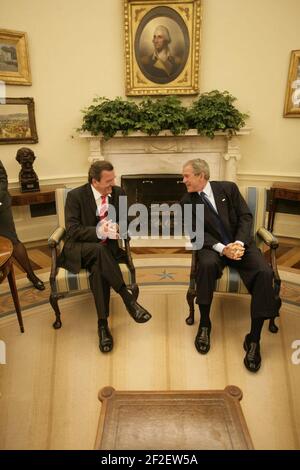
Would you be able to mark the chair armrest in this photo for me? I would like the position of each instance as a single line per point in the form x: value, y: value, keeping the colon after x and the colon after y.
x: 267, y: 237
x: 128, y: 254
x: 56, y: 237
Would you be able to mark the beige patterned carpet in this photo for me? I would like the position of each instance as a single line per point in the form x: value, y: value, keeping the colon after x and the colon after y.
x: 166, y: 271
x: 51, y: 378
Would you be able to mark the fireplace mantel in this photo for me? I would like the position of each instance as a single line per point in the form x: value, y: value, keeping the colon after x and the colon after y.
x: 166, y: 153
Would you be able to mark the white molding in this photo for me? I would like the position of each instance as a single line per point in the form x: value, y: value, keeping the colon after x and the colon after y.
x: 287, y: 225
x: 189, y: 132
x: 72, y: 181
x: 166, y: 153
x: 242, y: 176
x: 267, y: 178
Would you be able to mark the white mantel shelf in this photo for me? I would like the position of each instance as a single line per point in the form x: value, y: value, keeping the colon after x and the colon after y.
x: 139, y: 153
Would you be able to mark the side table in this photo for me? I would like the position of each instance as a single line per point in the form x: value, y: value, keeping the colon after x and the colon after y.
x: 45, y: 195
x: 280, y: 190
x: 7, y: 270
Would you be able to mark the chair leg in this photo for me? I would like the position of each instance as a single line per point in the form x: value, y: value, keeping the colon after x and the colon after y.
x: 272, y: 326
x: 190, y: 297
x: 14, y: 293
x: 53, y: 299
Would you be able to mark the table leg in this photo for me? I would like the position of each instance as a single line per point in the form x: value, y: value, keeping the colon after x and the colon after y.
x: 14, y: 293
x: 272, y: 210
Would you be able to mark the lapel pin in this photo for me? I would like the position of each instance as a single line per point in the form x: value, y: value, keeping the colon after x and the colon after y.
x: 223, y: 199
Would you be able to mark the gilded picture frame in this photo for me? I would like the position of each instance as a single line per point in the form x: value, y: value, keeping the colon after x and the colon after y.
x: 14, y: 58
x: 292, y: 96
x: 162, y: 46
x: 17, y: 121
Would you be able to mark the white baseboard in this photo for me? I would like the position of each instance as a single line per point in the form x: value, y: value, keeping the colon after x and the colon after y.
x: 287, y: 225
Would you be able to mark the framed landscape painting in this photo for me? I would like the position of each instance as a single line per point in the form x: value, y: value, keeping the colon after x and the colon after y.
x: 17, y: 121
x: 162, y: 44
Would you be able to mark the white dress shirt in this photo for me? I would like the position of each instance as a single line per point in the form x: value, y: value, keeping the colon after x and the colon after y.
x: 98, y: 201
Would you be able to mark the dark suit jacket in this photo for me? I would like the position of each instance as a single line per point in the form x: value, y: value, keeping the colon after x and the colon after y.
x: 5, y: 199
x: 232, y: 210
x: 81, y: 221
x: 7, y: 226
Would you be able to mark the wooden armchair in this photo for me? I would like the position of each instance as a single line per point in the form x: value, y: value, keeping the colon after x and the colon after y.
x: 230, y: 281
x: 64, y: 283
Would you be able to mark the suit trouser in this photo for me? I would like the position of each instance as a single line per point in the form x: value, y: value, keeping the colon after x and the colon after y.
x: 254, y: 270
x: 105, y: 273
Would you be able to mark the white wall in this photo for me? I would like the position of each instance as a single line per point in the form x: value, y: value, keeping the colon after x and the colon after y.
x: 77, y: 51
x: 246, y: 50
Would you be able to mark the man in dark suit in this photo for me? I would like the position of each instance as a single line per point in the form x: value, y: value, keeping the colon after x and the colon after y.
x: 228, y: 240
x: 91, y: 242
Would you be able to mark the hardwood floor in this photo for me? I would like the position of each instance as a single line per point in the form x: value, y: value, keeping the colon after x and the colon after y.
x: 288, y: 254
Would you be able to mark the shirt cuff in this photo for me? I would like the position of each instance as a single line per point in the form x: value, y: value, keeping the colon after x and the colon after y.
x: 239, y: 242
x: 219, y: 247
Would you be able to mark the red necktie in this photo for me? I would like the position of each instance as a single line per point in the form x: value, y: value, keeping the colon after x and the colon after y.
x: 103, y: 209
x: 103, y: 213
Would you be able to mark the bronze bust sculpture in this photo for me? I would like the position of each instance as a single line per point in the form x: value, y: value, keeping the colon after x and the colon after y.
x: 27, y: 177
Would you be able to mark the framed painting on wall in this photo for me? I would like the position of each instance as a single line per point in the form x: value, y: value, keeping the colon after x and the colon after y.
x: 17, y: 121
x: 162, y: 43
x: 292, y: 96
x: 14, y: 59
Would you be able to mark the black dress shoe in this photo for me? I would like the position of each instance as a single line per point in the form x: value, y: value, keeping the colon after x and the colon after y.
x: 202, y: 340
x: 106, y: 341
x: 138, y: 313
x: 252, y: 359
x: 37, y: 283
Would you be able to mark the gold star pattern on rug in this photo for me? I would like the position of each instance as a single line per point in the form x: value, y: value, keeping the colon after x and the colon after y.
x: 165, y: 275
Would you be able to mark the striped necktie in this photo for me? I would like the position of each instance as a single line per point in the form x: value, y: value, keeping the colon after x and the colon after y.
x: 103, y: 213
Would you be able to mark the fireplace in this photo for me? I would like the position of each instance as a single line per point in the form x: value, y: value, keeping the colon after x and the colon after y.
x: 166, y: 153
x: 154, y: 189
x: 149, y: 168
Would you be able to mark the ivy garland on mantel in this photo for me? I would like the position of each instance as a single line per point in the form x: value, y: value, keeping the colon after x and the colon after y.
x: 209, y: 113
